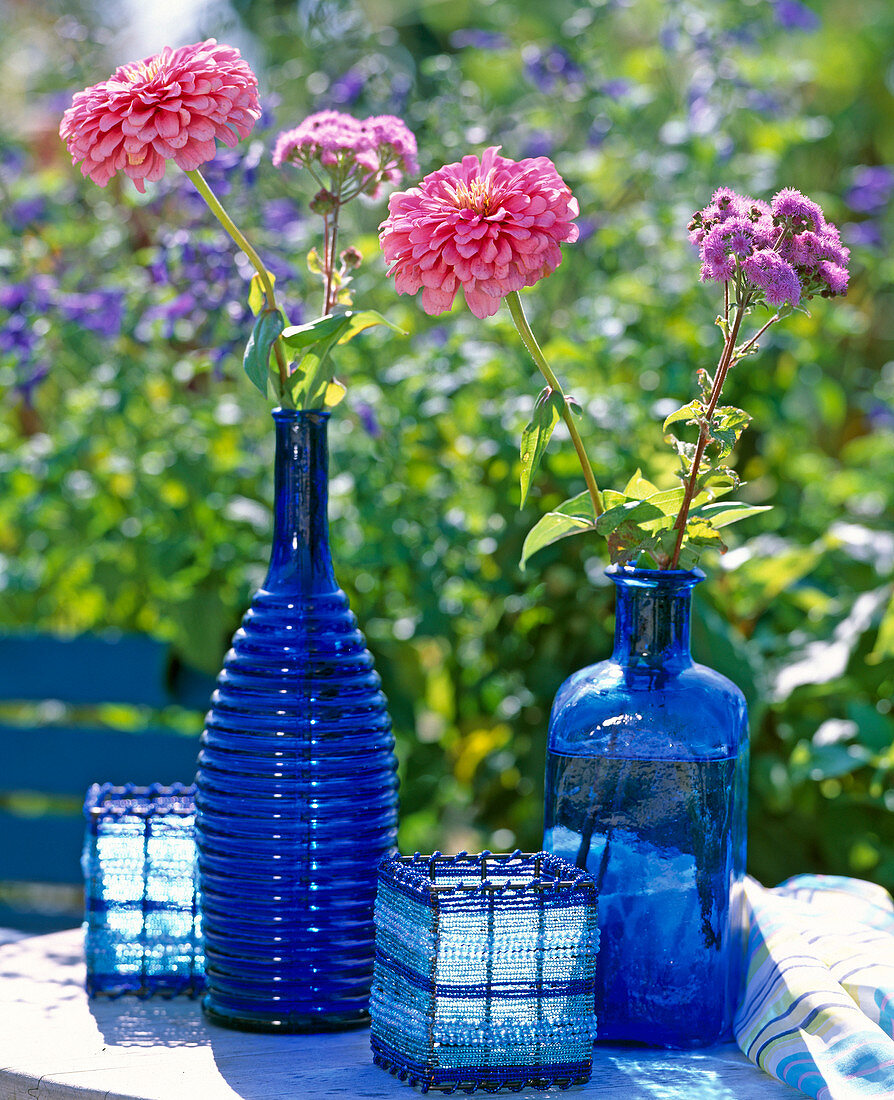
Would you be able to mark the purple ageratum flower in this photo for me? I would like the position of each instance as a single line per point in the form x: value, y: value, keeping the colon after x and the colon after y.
x: 835, y: 278
x: 803, y: 213
x: 792, y: 15
x: 786, y: 249
x: 871, y: 190
x: 767, y: 270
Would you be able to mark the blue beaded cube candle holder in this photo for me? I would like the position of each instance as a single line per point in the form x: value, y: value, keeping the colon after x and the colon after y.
x: 485, y: 971
x: 143, y: 932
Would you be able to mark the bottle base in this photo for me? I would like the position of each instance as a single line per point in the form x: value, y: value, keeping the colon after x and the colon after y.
x: 289, y: 1024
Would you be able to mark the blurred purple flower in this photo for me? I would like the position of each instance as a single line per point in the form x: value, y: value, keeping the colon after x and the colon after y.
x: 25, y: 212
x: 616, y: 89
x: 586, y: 228
x: 871, y: 190
x: 478, y: 39
x: 29, y: 377
x: 792, y: 15
x: 280, y: 215
x: 867, y: 234
x: 539, y: 144
x: 599, y: 127
x: 366, y: 414
x: 669, y: 38
x: 100, y: 311
x: 546, y: 69
x: 401, y: 85
x: 347, y: 88
x: 171, y: 312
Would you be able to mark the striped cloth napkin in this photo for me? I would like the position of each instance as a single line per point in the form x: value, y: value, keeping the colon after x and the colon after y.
x: 818, y: 1008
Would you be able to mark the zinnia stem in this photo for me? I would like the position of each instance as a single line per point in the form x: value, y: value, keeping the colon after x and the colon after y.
x: 217, y: 209
x: 528, y: 339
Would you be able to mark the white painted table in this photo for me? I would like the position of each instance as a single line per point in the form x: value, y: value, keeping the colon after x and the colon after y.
x: 56, y: 1044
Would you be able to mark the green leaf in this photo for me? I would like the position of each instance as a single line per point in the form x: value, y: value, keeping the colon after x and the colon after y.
x: 638, y: 488
x: 256, y: 359
x: 652, y: 514
x: 884, y: 640
x: 257, y: 299
x: 725, y: 512
x: 359, y: 320
x: 323, y: 328
x: 535, y: 437
x: 335, y: 391
x: 692, y: 413
x: 727, y: 424
x: 570, y: 518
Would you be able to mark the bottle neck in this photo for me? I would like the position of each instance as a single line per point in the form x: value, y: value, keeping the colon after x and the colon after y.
x: 300, y: 560
x: 652, y: 618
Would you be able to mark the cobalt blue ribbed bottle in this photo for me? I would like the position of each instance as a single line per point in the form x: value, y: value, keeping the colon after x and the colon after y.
x: 646, y: 787
x: 296, y: 789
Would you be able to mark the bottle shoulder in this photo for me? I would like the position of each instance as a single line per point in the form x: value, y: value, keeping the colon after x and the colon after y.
x: 622, y: 711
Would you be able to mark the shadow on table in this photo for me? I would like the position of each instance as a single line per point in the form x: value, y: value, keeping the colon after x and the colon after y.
x: 129, y: 1022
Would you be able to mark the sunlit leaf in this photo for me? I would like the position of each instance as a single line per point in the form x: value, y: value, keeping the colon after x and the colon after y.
x: 257, y: 297
x: 335, y: 391
x: 535, y: 437
x: 693, y: 412
x: 725, y: 512
x: 570, y: 518
x: 256, y: 359
x: 638, y: 487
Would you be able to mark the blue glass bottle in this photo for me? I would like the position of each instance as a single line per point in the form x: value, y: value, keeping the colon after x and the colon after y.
x: 646, y: 787
x: 296, y: 789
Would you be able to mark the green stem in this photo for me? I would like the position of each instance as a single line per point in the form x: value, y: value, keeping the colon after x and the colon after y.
x: 704, y: 431
x: 216, y: 208
x: 524, y: 330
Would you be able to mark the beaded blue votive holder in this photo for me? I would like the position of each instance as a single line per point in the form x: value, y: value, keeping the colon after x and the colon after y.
x: 484, y: 973
x: 143, y: 931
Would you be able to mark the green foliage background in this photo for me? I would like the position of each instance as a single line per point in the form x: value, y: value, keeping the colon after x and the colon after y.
x: 135, y: 480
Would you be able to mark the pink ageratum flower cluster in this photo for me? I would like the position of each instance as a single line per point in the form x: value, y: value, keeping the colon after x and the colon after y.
x: 491, y: 227
x: 171, y: 106
x: 785, y: 249
x: 366, y: 152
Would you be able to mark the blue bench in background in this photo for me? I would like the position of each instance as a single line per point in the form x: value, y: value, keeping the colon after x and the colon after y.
x: 59, y: 734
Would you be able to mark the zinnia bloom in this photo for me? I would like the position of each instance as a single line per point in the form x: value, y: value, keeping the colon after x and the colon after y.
x: 490, y: 226
x: 170, y: 106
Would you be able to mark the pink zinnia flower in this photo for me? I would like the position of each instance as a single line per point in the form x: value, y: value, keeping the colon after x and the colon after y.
x: 167, y: 107
x: 490, y: 226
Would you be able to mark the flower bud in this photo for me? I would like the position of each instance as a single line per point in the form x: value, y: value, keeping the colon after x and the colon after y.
x: 351, y: 258
x: 323, y: 202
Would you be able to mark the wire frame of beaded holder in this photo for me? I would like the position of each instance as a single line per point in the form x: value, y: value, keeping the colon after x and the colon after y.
x: 143, y: 932
x: 484, y: 973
